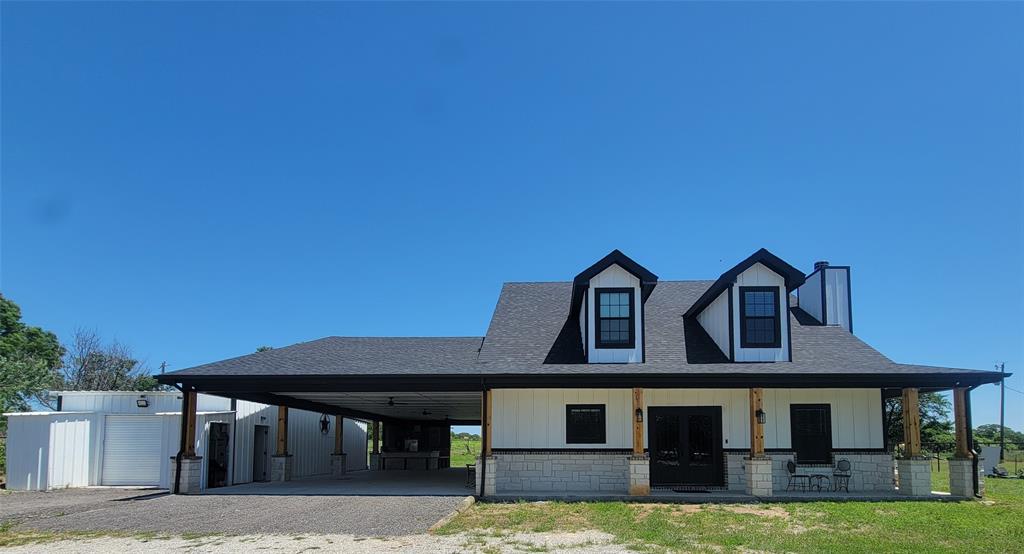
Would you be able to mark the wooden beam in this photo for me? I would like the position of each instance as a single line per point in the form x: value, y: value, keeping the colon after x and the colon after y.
x: 911, y: 424
x: 282, y: 430
x: 487, y: 422
x: 376, y: 437
x: 189, y: 414
x: 960, y: 422
x: 756, y: 429
x: 638, y: 425
x: 339, y: 434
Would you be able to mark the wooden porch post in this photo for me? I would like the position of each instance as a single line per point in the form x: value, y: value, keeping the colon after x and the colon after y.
x: 756, y: 428
x: 376, y: 437
x: 960, y: 422
x: 487, y: 423
x: 339, y: 434
x: 190, y: 425
x: 282, y: 430
x: 911, y: 424
x: 638, y: 424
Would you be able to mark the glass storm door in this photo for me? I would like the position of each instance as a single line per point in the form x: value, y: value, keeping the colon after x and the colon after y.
x: 685, y: 445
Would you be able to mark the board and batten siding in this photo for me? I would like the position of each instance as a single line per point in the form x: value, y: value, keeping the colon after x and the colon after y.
x: 809, y: 295
x: 535, y: 418
x: 715, y: 320
x: 614, y: 277
x: 758, y: 275
x: 837, y: 296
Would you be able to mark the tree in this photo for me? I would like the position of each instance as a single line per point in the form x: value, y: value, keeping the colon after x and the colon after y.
x: 92, y: 365
x: 989, y: 434
x: 936, y: 428
x: 29, y: 360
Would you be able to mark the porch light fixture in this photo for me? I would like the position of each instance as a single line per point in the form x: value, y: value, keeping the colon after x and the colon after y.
x: 142, y: 402
x: 760, y: 416
x: 639, y: 415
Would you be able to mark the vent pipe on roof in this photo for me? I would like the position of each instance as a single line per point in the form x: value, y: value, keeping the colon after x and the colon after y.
x: 820, y: 265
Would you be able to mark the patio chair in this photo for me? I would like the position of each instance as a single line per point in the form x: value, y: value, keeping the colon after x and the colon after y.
x: 841, y: 476
x: 796, y: 481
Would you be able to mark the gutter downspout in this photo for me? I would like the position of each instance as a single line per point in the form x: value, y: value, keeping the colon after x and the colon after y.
x: 175, y: 487
x: 970, y: 441
x: 483, y: 445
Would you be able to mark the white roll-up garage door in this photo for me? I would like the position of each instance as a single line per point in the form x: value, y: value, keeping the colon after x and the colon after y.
x: 131, y: 450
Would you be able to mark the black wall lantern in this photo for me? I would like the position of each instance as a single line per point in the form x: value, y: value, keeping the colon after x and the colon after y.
x: 760, y: 416
x: 325, y: 424
x: 639, y: 415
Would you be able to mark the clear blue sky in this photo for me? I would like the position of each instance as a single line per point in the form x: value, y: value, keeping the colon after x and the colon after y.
x: 197, y: 180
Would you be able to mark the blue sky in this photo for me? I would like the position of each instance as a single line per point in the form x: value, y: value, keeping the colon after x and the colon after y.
x: 197, y: 180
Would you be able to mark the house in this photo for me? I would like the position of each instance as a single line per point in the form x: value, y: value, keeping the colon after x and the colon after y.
x: 130, y: 438
x: 619, y: 383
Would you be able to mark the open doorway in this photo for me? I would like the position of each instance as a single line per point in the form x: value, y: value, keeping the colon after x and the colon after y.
x: 218, y: 456
x: 260, y: 453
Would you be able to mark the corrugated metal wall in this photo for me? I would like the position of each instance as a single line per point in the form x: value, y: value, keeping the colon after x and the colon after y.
x: 50, y: 450
x: 120, y: 402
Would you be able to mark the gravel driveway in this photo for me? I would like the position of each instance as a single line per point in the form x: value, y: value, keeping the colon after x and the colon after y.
x: 142, y: 511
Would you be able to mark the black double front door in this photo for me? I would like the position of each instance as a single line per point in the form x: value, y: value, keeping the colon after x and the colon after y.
x: 685, y: 445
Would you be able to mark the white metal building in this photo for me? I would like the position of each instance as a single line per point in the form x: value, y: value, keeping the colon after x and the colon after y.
x: 128, y: 439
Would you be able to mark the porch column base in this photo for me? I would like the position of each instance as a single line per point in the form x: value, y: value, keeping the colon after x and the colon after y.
x: 191, y: 469
x: 915, y: 476
x: 759, y: 476
x: 489, y: 488
x: 961, y: 473
x: 639, y: 475
x: 375, y: 461
x: 338, y: 466
x: 281, y: 468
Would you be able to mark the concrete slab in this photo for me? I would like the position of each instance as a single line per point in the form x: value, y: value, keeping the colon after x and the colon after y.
x: 442, y: 482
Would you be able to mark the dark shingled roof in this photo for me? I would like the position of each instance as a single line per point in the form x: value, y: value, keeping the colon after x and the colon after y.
x: 531, y: 333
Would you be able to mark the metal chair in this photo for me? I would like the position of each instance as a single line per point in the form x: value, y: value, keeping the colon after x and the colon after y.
x: 841, y: 476
x: 796, y: 482
x: 471, y: 475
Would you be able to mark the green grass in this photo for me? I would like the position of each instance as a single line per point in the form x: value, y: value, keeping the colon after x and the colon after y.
x: 991, y: 525
x: 464, y: 452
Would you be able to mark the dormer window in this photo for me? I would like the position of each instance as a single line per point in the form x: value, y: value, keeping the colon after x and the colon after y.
x: 759, y: 313
x: 615, y: 323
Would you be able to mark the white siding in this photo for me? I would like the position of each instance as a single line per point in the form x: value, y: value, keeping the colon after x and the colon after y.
x: 123, y: 402
x: 583, y: 320
x: 535, y: 418
x: 837, y: 296
x: 354, y: 443
x: 759, y: 275
x: 810, y: 295
x: 715, y: 320
x: 49, y: 450
x: 615, y: 277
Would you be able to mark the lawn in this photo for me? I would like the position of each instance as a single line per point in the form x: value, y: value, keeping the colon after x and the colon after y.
x: 995, y: 524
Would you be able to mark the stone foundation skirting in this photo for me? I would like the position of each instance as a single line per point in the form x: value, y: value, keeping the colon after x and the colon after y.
x: 281, y: 468
x: 870, y: 471
x: 915, y: 476
x: 339, y: 465
x: 639, y: 475
x: 562, y: 471
x: 961, y: 477
x: 191, y: 471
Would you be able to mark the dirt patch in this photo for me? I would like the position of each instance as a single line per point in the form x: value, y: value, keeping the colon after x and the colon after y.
x: 755, y: 510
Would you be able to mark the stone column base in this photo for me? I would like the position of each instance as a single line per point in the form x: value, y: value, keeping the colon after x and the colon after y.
x: 489, y: 488
x: 915, y: 476
x: 375, y: 461
x: 759, y: 476
x: 961, y: 477
x: 338, y: 467
x: 281, y: 468
x: 191, y: 470
x: 639, y: 475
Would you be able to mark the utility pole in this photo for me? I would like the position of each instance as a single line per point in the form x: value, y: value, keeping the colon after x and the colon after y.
x: 1002, y: 408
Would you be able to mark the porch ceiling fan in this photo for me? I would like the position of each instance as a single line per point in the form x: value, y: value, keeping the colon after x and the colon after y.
x: 392, y: 403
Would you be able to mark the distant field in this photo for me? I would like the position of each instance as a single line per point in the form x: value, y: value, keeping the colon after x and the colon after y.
x: 463, y: 451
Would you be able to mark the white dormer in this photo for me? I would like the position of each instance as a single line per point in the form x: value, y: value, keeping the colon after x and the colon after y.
x: 746, y: 311
x: 609, y: 298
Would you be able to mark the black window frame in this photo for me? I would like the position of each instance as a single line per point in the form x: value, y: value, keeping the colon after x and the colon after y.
x: 777, y: 342
x: 573, y: 436
x: 794, y: 443
x: 598, y: 343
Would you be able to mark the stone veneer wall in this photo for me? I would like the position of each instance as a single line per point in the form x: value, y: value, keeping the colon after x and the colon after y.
x: 871, y: 471
x: 561, y: 471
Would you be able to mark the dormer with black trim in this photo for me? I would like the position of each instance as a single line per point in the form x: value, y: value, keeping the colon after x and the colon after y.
x: 826, y: 295
x: 746, y: 311
x: 608, y: 302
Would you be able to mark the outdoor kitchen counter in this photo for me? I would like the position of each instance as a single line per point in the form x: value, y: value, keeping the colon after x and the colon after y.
x: 410, y: 460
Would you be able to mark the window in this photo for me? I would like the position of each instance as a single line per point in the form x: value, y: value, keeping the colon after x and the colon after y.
x: 759, y: 317
x: 584, y: 424
x: 615, y: 323
x: 811, y: 428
